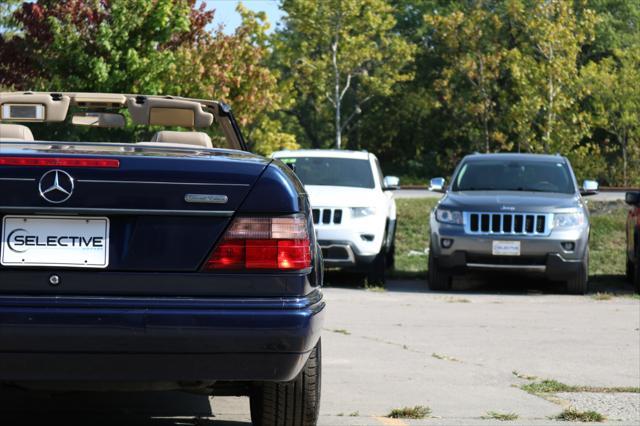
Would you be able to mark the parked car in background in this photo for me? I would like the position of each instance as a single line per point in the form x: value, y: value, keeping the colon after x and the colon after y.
x: 354, y: 211
x: 633, y: 239
x: 161, y: 264
x: 511, y: 212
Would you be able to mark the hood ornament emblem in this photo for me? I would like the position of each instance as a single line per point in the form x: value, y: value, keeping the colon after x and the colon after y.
x: 56, y: 186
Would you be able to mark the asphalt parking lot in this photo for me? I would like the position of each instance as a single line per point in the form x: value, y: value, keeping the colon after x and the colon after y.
x: 461, y: 354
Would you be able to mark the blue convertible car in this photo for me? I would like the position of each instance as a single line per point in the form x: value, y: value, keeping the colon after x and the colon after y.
x: 161, y: 264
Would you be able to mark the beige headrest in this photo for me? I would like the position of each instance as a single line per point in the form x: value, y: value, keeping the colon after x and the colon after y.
x: 15, y: 132
x: 183, y: 138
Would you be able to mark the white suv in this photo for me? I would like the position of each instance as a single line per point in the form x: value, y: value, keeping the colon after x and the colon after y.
x: 353, y: 208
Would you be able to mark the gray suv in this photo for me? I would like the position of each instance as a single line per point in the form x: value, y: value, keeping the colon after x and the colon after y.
x: 511, y: 212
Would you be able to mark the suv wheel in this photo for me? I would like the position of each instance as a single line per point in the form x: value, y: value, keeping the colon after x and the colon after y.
x: 293, y: 403
x: 375, y: 276
x: 439, y: 279
x: 630, y: 274
x: 390, y: 258
x: 636, y: 275
x: 579, y: 283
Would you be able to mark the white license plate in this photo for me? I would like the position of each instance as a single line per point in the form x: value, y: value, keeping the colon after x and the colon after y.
x: 506, y: 248
x: 72, y: 242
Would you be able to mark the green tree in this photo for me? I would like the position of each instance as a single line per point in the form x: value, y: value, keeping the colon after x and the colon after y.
x: 545, y: 72
x: 341, y: 54
x: 615, y: 97
x: 7, y: 23
x: 470, y: 41
x: 152, y: 47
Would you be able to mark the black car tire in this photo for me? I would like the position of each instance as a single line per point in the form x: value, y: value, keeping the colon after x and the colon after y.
x: 636, y: 275
x: 438, y: 279
x: 390, y: 258
x: 630, y: 272
x: 294, y: 403
x: 579, y: 283
x: 375, y: 275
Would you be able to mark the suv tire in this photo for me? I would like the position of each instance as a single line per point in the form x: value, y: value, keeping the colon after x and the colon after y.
x: 439, y: 280
x: 636, y: 275
x: 292, y: 403
x: 579, y: 283
x: 375, y: 275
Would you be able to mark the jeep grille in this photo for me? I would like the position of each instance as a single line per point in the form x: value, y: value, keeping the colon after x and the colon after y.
x: 327, y: 216
x: 507, y: 223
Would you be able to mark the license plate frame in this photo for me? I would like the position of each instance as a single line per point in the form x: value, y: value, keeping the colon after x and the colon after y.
x: 55, y: 241
x: 506, y: 248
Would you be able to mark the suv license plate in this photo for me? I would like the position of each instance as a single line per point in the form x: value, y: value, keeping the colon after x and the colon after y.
x: 506, y: 248
x: 71, y: 242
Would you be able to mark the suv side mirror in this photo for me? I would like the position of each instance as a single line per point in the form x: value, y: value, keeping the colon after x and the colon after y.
x: 437, y: 184
x: 589, y: 187
x: 632, y: 198
x: 391, y: 183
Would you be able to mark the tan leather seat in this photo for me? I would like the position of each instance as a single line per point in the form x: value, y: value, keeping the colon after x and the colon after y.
x: 183, y: 138
x: 15, y: 132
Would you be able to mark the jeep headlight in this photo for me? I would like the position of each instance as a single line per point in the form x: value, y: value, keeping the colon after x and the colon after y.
x: 362, y: 211
x: 449, y: 216
x: 568, y: 220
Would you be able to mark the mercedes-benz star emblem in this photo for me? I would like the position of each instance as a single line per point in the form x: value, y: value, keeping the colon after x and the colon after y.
x: 56, y: 186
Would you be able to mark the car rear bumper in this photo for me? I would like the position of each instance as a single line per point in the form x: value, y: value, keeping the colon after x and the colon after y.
x: 61, y: 338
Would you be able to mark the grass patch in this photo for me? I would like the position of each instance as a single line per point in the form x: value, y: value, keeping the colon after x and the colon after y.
x: 355, y: 414
x: 573, y: 415
x: 553, y: 386
x: 375, y: 288
x: 451, y: 299
x: 412, y: 235
x: 503, y: 417
x: 523, y: 376
x: 602, y: 296
x: 444, y: 357
x: 341, y: 331
x: 417, y: 412
x: 608, y: 224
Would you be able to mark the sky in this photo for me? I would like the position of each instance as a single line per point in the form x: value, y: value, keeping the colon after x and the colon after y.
x: 227, y: 15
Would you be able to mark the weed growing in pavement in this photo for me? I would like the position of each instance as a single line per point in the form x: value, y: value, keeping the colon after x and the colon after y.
x: 553, y: 386
x: 523, y: 376
x: 444, y: 357
x: 375, y: 288
x: 355, y: 414
x: 342, y: 331
x: 503, y: 417
x: 340, y: 414
x: 417, y: 412
x: 573, y: 415
x: 602, y: 296
x: 456, y: 300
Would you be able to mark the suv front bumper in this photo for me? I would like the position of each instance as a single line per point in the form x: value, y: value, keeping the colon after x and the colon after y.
x: 552, y: 265
x: 344, y: 255
x: 538, y: 254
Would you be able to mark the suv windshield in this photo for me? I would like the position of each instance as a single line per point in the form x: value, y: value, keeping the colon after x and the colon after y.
x: 514, y: 175
x: 332, y: 171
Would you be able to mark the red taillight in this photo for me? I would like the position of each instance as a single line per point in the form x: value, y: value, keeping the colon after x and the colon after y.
x: 60, y: 162
x: 279, y: 243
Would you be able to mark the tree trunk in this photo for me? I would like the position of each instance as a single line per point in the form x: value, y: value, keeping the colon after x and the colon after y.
x: 336, y: 93
x: 624, y: 159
